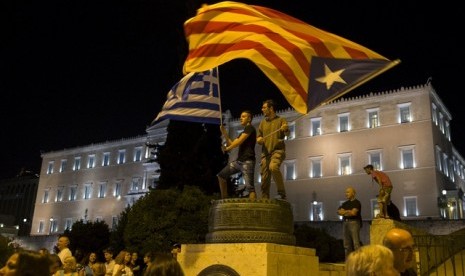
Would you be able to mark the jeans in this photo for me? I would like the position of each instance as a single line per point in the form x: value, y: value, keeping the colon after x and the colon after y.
x: 247, y: 168
x: 351, y: 233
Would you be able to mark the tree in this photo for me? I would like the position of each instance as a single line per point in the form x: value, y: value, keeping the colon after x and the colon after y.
x: 117, y: 234
x: 191, y: 156
x: 328, y: 248
x: 7, y: 247
x: 88, y: 236
x: 165, y: 216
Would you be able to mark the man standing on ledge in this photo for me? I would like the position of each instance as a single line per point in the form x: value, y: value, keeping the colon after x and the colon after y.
x: 271, y: 133
x: 351, y: 210
x: 245, y: 162
x: 385, y: 189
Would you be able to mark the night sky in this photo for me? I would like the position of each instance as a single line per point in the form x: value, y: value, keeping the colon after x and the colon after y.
x: 74, y: 73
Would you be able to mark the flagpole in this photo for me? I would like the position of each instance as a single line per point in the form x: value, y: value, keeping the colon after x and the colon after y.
x: 219, y: 95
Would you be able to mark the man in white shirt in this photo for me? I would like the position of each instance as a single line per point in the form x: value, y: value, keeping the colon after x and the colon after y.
x: 63, y: 247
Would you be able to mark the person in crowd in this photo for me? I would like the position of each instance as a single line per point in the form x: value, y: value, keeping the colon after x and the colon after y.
x: 99, y: 269
x: 164, y: 265
x: 245, y: 162
x: 63, y: 248
x: 385, y: 189
x: 351, y: 210
x: 135, y: 264
x: 55, y: 263
x: 44, y: 251
x: 402, y: 245
x: 175, y: 250
x: 122, y: 261
x: 109, y: 261
x: 26, y: 263
x: 271, y: 134
x: 371, y: 260
x: 87, y: 263
x: 69, y: 267
x: 148, y: 259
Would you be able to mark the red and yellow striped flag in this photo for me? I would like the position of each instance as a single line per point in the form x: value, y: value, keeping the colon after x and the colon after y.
x: 283, y: 48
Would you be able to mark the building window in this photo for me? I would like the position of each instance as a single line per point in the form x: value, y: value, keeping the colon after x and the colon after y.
x: 291, y: 131
x: 315, y: 128
x: 404, y: 113
x: 53, y: 225
x: 343, y: 122
x: 445, y: 167
x: 91, y: 161
x: 72, y: 193
x: 77, y: 163
x: 46, y: 196
x: 118, y: 189
x: 41, y: 227
x: 434, y: 111
x: 316, y: 211
x: 438, y: 158
x: 50, y: 167
x: 407, y: 160
x: 373, y: 118
x: 60, y: 194
x: 289, y: 170
x: 106, y: 159
x: 410, y: 203
x: 135, y: 184
x: 102, y: 189
x: 114, y: 222
x: 315, y: 167
x: 374, y: 158
x: 441, y: 122
x: 64, y: 163
x: 121, y: 156
x: 345, y: 166
x: 137, y: 154
x: 68, y: 224
x: 447, y: 130
x: 87, y: 191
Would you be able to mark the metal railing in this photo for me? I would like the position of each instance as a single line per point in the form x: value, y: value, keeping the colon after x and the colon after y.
x: 440, y: 255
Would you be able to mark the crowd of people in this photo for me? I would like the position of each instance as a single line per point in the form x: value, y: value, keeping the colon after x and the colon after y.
x: 63, y: 262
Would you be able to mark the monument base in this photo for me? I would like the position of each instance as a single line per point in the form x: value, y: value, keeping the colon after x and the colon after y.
x: 244, y: 259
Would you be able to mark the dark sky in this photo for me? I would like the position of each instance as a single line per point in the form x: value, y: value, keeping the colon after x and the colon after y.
x: 74, y: 73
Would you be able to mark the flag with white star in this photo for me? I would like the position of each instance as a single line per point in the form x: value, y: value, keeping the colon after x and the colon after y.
x: 331, y: 78
x: 283, y: 48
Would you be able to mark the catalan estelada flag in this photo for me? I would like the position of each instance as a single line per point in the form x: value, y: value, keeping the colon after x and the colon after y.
x: 310, y: 67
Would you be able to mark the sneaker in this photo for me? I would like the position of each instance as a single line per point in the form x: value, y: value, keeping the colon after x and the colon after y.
x: 252, y: 196
x: 245, y: 193
x: 280, y: 197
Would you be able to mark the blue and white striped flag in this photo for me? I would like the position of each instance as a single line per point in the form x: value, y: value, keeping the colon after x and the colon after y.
x: 194, y: 99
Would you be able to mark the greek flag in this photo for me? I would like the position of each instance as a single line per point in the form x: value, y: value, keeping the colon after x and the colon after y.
x: 195, y: 98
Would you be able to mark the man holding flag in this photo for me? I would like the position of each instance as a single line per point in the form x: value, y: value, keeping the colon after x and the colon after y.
x: 245, y: 162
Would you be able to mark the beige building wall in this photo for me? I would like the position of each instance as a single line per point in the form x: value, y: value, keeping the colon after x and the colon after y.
x: 429, y: 139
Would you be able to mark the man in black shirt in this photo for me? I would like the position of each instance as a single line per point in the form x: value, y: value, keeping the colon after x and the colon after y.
x: 245, y: 161
x: 351, y: 210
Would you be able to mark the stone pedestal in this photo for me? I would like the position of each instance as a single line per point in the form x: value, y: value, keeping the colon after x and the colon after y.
x: 247, y: 259
x: 249, y: 238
